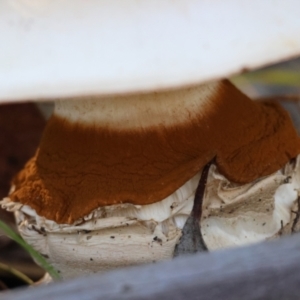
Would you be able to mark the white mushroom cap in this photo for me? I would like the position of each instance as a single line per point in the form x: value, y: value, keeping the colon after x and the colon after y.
x: 51, y: 48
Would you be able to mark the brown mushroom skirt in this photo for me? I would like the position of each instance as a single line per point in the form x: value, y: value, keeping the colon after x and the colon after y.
x: 80, y: 167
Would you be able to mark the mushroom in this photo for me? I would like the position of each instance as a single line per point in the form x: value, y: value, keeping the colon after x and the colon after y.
x: 114, y: 178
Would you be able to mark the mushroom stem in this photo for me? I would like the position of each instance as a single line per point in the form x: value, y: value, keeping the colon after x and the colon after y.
x: 114, y: 179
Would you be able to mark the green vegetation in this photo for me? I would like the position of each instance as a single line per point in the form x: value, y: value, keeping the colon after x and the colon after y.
x: 35, y: 255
